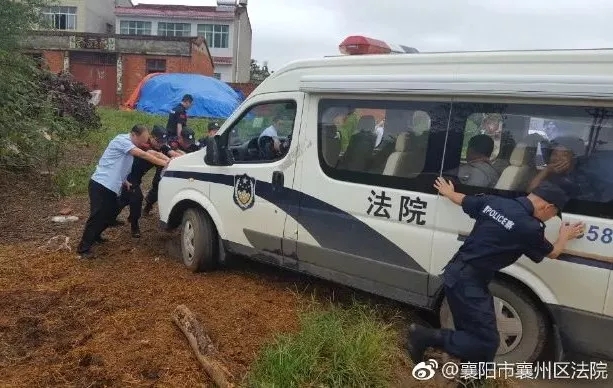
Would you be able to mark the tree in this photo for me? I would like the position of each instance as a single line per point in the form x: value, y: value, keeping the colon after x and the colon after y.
x: 33, y: 122
x: 259, y: 73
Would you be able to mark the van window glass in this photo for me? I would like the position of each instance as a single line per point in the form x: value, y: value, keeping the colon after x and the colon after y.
x: 521, y: 145
x: 263, y: 132
x: 382, y: 142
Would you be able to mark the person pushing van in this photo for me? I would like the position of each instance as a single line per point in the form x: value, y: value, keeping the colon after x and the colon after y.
x: 131, y: 193
x: 505, y: 229
x: 106, y: 181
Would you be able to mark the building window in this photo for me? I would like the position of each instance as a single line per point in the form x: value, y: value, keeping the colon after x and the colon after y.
x: 174, y: 29
x: 156, y: 66
x: 60, y: 18
x: 132, y: 27
x: 216, y: 35
x: 217, y: 75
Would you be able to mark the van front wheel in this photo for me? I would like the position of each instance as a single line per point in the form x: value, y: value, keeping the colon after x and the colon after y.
x: 198, y: 241
x: 522, y: 326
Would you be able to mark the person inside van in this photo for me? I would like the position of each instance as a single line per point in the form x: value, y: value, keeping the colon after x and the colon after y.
x: 478, y: 171
x: 272, y: 132
x: 563, y: 168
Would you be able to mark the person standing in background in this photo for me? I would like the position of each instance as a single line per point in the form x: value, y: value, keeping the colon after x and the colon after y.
x: 177, y: 119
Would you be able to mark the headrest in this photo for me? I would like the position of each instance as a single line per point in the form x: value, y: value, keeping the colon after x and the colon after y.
x: 522, y: 155
x: 329, y: 131
x: 403, y: 142
x: 366, y: 123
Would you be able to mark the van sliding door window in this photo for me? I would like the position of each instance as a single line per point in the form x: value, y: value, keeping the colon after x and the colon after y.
x: 387, y: 143
x: 510, y: 148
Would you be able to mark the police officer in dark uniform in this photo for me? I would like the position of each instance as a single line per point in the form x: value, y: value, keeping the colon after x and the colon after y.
x: 505, y: 229
x: 187, y: 141
x: 177, y: 119
x: 131, y: 193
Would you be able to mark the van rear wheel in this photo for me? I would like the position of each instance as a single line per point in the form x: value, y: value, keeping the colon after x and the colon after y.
x: 199, y: 241
x: 522, y: 326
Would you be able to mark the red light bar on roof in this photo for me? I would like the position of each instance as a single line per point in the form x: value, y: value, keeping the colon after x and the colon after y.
x: 362, y: 45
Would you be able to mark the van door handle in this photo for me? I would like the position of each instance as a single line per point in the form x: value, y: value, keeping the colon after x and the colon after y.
x: 277, y: 179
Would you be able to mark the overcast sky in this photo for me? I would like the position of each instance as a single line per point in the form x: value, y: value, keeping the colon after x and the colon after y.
x: 286, y: 30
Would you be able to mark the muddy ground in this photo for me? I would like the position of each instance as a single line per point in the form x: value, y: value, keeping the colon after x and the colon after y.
x: 106, y: 322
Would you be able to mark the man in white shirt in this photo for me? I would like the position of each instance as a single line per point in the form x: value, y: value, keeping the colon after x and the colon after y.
x: 105, y: 184
x: 271, y: 131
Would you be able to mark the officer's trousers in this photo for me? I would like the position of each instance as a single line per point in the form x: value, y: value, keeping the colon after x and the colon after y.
x: 152, y: 195
x: 133, y: 198
x: 102, y: 207
x: 475, y: 338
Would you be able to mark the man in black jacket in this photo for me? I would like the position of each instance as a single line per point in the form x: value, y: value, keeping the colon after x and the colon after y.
x: 131, y: 193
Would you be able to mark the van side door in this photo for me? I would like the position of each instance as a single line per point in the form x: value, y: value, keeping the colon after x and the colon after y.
x: 255, y: 194
x: 367, y: 199
x: 525, y: 151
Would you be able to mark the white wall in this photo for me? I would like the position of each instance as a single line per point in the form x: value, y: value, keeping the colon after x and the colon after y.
x: 243, y: 45
x: 225, y: 71
x: 98, y: 13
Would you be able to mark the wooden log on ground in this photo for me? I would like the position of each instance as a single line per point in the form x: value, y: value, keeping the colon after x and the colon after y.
x: 203, y: 347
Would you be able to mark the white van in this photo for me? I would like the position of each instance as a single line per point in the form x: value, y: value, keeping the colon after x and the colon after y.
x: 331, y: 203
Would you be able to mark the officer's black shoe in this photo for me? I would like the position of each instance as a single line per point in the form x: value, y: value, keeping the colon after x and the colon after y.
x: 86, y: 255
x: 135, y: 232
x: 115, y: 223
x: 420, y: 338
x: 147, y: 208
x: 101, y: 240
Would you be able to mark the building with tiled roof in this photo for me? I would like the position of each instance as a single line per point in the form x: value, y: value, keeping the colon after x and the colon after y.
x: 225, y: 27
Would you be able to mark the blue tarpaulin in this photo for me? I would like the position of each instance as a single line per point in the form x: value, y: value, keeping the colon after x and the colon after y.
x: 212, y: 98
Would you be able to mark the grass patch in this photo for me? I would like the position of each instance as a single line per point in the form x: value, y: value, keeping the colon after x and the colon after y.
x: 73, y: 180
x: 335, y: 347
x: 116, y: 121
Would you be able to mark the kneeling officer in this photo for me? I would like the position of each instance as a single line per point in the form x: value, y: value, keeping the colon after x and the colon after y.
x: 505, y: 229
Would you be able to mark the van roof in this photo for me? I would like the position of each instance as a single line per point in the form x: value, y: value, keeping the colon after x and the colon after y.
x: 588, y: 67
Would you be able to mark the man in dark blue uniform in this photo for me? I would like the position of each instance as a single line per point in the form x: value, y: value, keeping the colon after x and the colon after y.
x: 177, y: 119
x: 185, y: 143
x: 131, y: 193
x: 505, y: 229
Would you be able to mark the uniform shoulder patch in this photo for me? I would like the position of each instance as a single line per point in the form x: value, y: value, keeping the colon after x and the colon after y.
x: 244, y: 191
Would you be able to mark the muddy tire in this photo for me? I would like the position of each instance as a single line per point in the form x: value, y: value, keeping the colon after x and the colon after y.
x: 523, y: 327
x: 199, y: 242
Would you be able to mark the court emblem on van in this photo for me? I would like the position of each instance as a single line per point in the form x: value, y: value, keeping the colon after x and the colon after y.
x: 244, y: 191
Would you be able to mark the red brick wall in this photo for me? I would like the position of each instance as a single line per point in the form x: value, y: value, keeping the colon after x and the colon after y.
x: 246, y: 88
x: 55, y: 60
x: 135, y: 67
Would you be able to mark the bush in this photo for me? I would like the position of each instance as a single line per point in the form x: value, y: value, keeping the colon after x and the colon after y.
x: 336, y: 347
x: 39, y: 111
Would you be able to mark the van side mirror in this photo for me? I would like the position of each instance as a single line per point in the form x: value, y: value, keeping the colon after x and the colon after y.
x: 217, y: 153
